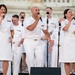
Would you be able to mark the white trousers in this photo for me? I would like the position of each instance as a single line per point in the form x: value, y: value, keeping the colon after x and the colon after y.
x: 45, y: 53
x: 54, y: 58
x: 47, y: 56
x: 34, y: 53
x: 17, y: 53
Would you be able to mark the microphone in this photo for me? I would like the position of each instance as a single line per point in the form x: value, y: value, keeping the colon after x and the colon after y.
x: 47, y: 13
x: 40, y: 17
x: 74, y: 18
x: 59, y: 24
x: 59, y: 29
x: 3, y: 16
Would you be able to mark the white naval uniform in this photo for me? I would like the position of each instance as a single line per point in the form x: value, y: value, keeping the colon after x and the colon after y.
x: 52, y: 24
x: 60, y: 43
x: 67, y: 49
x: 33, y: 44
x: 54, y: 57
x: 5, y: 45
x: 44, y: 43
x: 17, y: 51
x: 23, y: 49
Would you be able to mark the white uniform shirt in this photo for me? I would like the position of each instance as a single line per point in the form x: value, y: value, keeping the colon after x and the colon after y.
x: 61, y: 37
x: 20, y: 23
x: 6, y: 26
x: 52, y: 23
x: 54, y: 36
x: 5, y: 45
x: 71, y: 29
x: 36, y: 33
x: 18, y: 33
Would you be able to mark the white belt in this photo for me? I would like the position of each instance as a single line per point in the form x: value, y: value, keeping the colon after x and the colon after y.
x: 33, y: 39
x: 15, y: 42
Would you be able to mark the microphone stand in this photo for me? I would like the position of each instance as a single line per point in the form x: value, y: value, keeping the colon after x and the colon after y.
x: 47, y: 42
x: 22, y: 22
x: 59, y: 29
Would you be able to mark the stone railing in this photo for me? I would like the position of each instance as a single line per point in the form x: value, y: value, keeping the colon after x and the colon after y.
x: 59, y: 3
x: 51, y: 3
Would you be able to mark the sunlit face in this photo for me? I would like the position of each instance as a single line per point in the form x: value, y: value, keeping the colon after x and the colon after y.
x: 69, y: 14
x: 35, y: 11
x: 49, y: 10
x: 15, y: 21
x: 3, y: 10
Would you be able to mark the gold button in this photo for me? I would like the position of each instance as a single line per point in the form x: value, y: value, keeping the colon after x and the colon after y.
x: 13, y: 42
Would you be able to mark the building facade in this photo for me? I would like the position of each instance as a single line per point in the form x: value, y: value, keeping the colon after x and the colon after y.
x: 17, y: 6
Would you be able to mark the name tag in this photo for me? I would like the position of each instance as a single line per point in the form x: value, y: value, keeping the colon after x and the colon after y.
x: 19, y: 30
x: 42, y: 25
x: 52, y: 23
x: 8, y: 20
x: 13, y: 42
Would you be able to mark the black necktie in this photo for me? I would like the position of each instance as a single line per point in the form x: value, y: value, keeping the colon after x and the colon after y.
x: 22, y: 23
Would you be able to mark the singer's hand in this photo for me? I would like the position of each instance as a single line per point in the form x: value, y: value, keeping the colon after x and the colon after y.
x: 61, y: 19
x: 50, y: 49
x: 1, y: 18
x: 19, y: 44
x: 44, y: 38
x: 39, y: 16
x: 10, y: 39
x: 3, y: 15
x: 72, y: 17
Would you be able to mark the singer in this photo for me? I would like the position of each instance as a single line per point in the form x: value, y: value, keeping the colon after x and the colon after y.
x: 6, y: 33
x: 22, y: 16
x: 51, y: 23
x: 67, y: 48
x: 32, y: 43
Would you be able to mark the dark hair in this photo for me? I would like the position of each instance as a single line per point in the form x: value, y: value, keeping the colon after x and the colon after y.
x: 49, y: 8
x: 22, y: 13
x: 65, y: 12
x: 2, y: 5
x: 15, y: 16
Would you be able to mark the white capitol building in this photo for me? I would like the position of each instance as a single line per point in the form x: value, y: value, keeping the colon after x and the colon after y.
x: 17, y: 6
